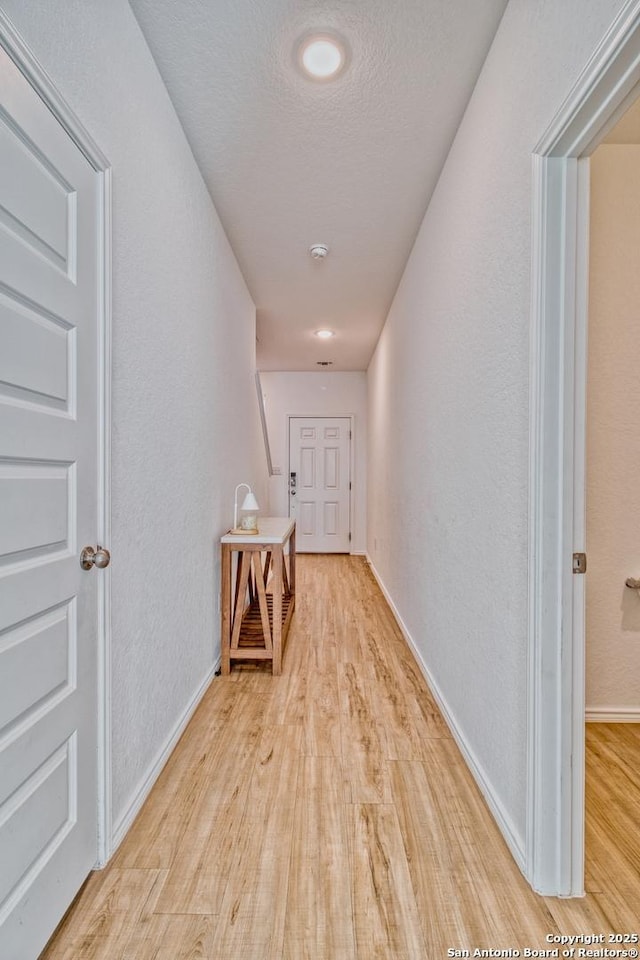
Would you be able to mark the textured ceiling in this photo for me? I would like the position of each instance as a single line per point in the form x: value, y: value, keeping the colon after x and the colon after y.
x: 290, y: 162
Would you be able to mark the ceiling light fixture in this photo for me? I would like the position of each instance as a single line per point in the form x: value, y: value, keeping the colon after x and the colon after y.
x: 325, y: 334
x: 322, y: 56
x: 318, y: 251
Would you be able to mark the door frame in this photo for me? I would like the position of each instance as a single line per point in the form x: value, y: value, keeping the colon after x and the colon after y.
x: 558, y: 352
x: 352, y: 447
x: 13, y: 44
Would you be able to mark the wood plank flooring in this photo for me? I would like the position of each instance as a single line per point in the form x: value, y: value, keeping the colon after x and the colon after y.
x: 326, y: 814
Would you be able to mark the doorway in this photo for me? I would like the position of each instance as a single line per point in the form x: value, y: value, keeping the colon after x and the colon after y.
x: 612, y: 619
x: 556, y: 751
x: 320, y: 482
x: 613, y: 448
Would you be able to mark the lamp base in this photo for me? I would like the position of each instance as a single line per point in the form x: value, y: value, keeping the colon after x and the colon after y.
x: 238, y: 532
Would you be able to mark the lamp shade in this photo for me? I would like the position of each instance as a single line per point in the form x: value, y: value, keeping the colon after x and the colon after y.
x: 250, y: 502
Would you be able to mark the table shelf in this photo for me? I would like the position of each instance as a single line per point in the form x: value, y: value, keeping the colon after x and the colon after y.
x: 251, y: 631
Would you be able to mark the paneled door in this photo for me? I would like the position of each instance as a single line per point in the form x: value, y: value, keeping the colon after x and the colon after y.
x: 320, y: 483
x: 50, y: 227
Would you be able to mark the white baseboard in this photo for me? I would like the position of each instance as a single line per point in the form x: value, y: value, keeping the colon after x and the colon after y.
x: 500, y: 815
x: 358, y: 553
x: 612, y: 715
x: 139, y: 796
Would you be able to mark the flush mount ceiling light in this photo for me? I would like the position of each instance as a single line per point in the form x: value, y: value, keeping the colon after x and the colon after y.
x: 325, y: 334
x: 322, y: 56
x: 318, y: 251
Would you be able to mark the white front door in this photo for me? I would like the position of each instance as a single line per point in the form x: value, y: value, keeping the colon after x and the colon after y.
x: 49, y: 284
x: 320, y: 483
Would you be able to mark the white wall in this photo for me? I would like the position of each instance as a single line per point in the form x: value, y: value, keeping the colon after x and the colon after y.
x: 317, y: 395
x: 185, y: 420
x: 448, y: 399
x: 613, y: 434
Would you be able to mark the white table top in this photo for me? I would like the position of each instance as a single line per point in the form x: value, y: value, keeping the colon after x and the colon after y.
x: 273, y: 530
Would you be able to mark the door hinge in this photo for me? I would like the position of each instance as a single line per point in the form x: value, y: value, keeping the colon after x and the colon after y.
x: 349, y: 484
x: 349, y: 536
x: 579, y: 563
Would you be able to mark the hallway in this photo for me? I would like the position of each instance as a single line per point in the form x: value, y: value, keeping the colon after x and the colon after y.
x: 327, y: 814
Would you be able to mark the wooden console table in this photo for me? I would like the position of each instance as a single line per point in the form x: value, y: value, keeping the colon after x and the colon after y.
x: 255, y: 622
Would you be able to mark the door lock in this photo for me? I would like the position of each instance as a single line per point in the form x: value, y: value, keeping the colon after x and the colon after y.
x: 579, y: 563
x: 100, y: 557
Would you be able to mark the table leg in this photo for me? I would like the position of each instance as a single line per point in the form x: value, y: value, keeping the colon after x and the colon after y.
x: 242, y: 575
x: 277, y: 610
x: 225, y: 607
x: 262, y: 600
x: 292, y: 563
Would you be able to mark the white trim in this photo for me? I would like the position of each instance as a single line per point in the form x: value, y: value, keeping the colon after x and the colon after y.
x: 263, y: 423
x: 27, y: 62
x: 29, y: 66
x: 352, y: 479
x: 555, y: 763
x: 499, y: 812
x: 575, y: 585
x: 104, y: 534
x: 139, y: 795
x: 612, y: 715
x: 602, y: 92
x: 555, y: 789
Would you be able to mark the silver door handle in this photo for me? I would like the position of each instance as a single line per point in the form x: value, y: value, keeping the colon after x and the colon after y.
x: 100, y: 557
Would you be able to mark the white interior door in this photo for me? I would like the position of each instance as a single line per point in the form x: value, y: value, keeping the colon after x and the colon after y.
x: 319, y: 483
x: 49, y: 249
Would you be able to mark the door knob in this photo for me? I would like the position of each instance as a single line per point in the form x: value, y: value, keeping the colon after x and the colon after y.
x: 100, y: 557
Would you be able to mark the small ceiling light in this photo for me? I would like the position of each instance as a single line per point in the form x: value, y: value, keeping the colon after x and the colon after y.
x: 325, y: 334
x: 322, y: 57
x: 319, y: 251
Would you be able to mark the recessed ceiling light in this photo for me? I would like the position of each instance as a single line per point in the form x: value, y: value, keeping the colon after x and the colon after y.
x: 322, y: 56
x: 325, y: 334
x: 318, y: 251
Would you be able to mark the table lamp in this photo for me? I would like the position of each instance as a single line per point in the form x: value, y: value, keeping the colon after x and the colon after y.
x: 248, y: 512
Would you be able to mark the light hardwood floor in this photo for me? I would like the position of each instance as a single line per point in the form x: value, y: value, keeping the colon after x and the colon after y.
x: 326, y: 814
